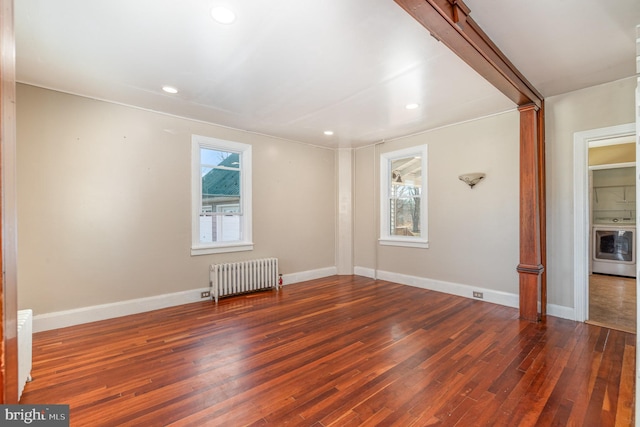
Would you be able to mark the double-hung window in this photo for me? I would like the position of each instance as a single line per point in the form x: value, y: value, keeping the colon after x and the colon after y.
x: 403, y: 198
x: 221, y: 196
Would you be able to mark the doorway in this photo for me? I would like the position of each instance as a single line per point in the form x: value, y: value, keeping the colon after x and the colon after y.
x: 612, y: 205
x: 583, y: 220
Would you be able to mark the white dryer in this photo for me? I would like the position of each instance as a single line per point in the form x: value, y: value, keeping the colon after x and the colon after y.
x: 614, y: 250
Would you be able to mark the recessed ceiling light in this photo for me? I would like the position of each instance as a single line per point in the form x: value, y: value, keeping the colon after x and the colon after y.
x: 411, y: 106
x: 169, y: 89
x: 328, y: 132
x: 223, y: 15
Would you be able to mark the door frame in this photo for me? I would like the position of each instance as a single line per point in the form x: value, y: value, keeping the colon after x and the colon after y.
x: 581, y: 214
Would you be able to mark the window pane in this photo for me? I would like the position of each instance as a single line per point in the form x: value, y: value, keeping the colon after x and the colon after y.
x: 220, y: 187
x: 206, y: 228
x: 220, y: 206
x: 220, y: 228
x: 405, y: 216
x: 228, y: 228
x: 228, y: 224
x: 405, y: 191
x: 211, y: 158
x: 407, y: 171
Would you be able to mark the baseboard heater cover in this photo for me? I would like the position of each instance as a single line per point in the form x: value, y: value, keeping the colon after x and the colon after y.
x: 243, y: 276
x: 25, y: 336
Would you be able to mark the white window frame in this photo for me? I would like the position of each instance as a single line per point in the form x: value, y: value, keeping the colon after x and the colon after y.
x: 244, y: 150
x: 386, y: 238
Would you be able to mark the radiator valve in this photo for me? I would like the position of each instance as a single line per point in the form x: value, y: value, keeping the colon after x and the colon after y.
x: 280, y: 280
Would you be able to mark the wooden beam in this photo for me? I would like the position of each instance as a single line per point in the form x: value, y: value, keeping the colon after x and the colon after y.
x: 449, y: 22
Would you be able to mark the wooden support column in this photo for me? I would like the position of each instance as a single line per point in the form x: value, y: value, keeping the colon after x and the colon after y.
x: 542, y: 204
x: 530, y: 268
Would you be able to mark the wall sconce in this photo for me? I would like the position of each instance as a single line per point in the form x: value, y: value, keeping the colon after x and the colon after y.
x: 471, y: 179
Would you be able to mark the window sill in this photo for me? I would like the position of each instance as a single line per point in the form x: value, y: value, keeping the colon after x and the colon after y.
x: 222, y: 248
x: 423, y: 244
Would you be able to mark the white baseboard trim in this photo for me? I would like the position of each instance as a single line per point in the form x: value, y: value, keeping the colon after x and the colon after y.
x: 77, y: 316
x: 365, y: 272
x: 489, y: 295
x: 561, y: 311
x: 303, y: 276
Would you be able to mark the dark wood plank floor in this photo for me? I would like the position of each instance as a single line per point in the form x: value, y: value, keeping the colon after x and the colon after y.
x: 339, y: 351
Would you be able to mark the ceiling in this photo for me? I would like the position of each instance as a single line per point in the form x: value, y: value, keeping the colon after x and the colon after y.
x: 296, y: 68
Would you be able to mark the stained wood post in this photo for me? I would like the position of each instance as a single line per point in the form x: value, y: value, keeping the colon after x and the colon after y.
x: 530, y: 268
x: 542, y: 192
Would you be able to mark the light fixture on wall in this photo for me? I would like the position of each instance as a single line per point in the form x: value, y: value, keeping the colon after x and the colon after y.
x: 471, y: 179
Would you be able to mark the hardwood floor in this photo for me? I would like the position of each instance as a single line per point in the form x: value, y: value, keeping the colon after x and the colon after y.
x: 339, y: 351
x: 612, y: 302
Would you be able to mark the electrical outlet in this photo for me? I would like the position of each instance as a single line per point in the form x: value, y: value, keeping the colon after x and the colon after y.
x: 478, y: 295
x: 205, y: 294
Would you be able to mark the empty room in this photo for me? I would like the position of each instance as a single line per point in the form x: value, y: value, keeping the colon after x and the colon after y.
x: 320, y: 213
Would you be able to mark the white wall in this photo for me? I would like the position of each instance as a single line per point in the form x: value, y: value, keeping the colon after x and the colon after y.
x: 365, y: 208
x: 473, y: 233
x: 104, y: 203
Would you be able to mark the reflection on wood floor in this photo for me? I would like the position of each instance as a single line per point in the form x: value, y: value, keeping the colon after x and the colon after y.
x: 338, y: 351
x: 612, y: 302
